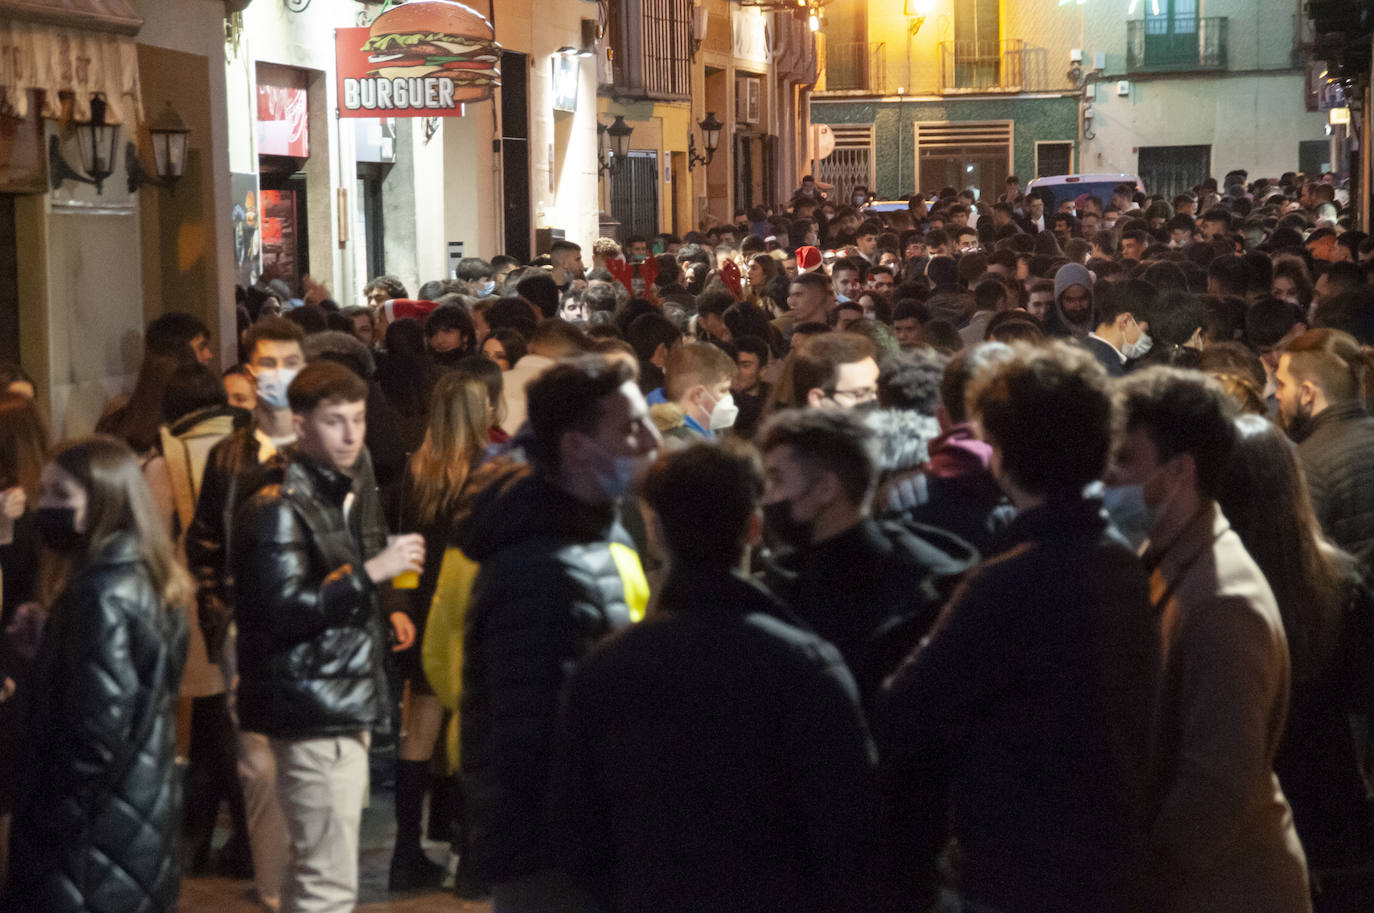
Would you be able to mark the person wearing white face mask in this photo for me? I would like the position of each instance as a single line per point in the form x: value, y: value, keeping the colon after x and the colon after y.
x: 275, y: 356
x: 697, y: 388
x: 1120, y: 331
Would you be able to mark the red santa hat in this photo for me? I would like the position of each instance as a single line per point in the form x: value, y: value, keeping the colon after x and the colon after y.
x: 808, y: 258
x: 401, y: 308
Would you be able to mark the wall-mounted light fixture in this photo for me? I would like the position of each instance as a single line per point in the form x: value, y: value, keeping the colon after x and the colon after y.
x: 613, y: 145
x: 95, y: 143
x: 710, y: 138
x: 916, y: 11
x: 169, y: 134
x: 568, y: 50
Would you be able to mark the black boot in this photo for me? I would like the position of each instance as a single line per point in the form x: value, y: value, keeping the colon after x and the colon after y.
x: 200, y: 805
x: 411, y: 869
x: 467, y: 884
x: 443, y: 793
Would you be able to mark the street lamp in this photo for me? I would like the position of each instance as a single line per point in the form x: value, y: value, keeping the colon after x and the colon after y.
x: 95, y: 143
x: 169, y: 134
x: 612, y: 159
x: 710, y: 135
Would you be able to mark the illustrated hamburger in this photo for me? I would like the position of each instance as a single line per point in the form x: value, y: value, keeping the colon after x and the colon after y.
x: 436, y: 38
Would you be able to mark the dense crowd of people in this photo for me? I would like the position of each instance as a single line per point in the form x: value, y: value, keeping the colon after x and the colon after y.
x: 982, y: 557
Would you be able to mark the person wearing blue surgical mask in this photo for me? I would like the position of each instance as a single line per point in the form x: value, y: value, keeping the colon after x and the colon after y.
x: 1225, y: 680
x: 556, y: 573
x: 477, y: 276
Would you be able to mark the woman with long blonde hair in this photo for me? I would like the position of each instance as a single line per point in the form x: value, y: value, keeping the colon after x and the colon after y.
x: 459, y: 418
x: 96, y: 793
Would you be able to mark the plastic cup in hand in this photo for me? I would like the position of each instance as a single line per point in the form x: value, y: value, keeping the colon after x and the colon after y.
x: 406, y: 580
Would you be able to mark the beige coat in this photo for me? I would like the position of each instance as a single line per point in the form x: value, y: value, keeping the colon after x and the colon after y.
x: 1222, y: 837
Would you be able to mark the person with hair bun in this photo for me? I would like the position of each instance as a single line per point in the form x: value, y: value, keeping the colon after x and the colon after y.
x: 97, y: 823
x: 1321, y: 385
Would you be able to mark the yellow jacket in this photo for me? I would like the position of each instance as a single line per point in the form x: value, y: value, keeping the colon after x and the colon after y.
x: 441, y: 654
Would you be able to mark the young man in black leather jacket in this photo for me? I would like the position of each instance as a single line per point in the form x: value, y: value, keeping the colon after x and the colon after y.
x: 308, y: 554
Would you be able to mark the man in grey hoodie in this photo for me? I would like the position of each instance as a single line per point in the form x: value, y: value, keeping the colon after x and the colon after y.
x: 1073, y: 303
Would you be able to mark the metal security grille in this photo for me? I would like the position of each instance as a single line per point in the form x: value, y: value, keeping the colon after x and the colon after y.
x: 851, y: 163
x: 664, y: 36
x: 1171, y: 170
x: 634, y: 195
x: 974, y: 154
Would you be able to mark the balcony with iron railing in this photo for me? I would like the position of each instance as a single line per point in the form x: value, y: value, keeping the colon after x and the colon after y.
x: 982, y: 66
x: 650, y: 43
x: 1174, y: 45
x: 858, y: 66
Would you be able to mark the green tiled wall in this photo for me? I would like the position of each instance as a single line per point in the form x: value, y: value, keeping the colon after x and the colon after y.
x: 1036, y: 119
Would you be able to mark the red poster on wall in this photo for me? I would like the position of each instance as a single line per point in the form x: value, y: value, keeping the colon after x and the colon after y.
x: 283, y: 121
x: 422, y: 58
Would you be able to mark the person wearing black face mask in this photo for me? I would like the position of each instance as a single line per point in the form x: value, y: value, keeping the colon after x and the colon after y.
x: 449, y: 334
x: 870, y: 589
x: 95, y: 788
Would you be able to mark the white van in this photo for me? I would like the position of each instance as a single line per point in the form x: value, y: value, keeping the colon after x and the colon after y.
x: 1058, y: 188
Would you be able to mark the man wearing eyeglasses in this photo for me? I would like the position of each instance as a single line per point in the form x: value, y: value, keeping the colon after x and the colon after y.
x: 836, y: 371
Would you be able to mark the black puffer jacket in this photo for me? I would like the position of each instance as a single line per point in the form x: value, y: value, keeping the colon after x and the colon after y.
x: 1338, y: 457
x: 311, y: 647
x: 99, y: 813
x: 548, y: 589
x: 873, y: 591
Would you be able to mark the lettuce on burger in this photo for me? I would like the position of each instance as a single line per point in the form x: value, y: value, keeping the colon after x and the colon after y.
x: 436, y: 38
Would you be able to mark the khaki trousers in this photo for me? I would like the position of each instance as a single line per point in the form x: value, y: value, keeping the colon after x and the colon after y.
x: 266, y: 824
x: 321, y: 784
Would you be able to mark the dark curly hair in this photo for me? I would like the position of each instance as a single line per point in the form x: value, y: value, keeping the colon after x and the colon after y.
x: 911, y: 380
x: 1049, y: 412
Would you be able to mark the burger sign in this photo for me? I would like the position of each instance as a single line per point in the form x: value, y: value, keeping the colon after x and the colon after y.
x: 421, y: 58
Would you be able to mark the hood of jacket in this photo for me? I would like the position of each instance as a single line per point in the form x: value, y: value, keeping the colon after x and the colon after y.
x: 902, y: 437
x: 667, y: 416
x: 958, y: 453
x: 508, y: 501
x: 219, y: 421
x: 1071, y: 274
